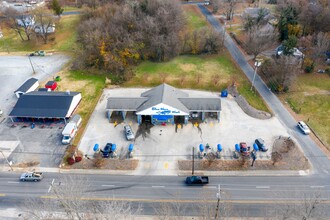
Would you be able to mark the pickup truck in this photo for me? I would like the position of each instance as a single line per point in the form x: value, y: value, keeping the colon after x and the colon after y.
x: 31, y: 176
x: 197, y: 180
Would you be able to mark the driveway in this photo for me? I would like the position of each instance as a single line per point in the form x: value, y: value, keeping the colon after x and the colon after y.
x: 159, y: 149
x: 21, y: 144
x: 319, y: 160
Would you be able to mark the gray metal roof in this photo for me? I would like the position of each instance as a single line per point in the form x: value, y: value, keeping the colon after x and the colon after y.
x: 202, y: 104
x: 27, y: 85
x: 39, y: 104
x: 128, y: 104
x: 164, y: 94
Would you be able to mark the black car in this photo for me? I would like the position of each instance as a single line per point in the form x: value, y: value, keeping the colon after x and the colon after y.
x: 261, y: 145
x: 106, y: 150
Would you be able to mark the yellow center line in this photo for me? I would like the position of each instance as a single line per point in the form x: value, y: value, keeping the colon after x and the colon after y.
x: 191, y: 201
x: 2, y: 194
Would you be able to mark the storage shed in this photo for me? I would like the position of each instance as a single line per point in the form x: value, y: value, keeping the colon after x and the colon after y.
x: 29, y: 86
x: 51, y: 85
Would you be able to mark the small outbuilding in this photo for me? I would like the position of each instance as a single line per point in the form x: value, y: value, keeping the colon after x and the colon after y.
x: 52, y: 85
x: 29, y: 86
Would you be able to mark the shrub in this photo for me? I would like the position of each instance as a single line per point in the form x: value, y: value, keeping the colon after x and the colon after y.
x: 308, y: 65
x: 70, y: 160
x: 78, y: 159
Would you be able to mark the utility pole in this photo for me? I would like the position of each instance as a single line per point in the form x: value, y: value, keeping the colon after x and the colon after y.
x: 224, y: 33
x: 193, y: 161
x: 218, y: 203
x: 9, y: 164
x: 31, y: 65
x: 256, y: 64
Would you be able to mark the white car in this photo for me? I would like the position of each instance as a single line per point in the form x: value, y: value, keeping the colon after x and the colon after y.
x: 303, y: 127
x: 295, y: 52
x: 1, y: 112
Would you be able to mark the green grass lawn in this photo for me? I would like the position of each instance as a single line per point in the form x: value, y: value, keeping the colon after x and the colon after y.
x: 211, y: 73
x: 63, y: 40
x: 310, y: 99
x: 194, y: 19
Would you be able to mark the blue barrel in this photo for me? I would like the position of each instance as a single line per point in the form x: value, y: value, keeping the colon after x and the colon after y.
x: 201, y: 147
x: 255, y: 147
x: 113, y: 147
x: 219, y: 147
x: 130, y: 147
x: 237, y: 148
x: 96, y: 147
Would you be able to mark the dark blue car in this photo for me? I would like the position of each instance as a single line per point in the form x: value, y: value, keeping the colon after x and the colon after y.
x: 106, y: 150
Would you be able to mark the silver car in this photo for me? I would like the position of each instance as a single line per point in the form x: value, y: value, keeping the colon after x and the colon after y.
x: 129, y: 133
x: 303, y: 127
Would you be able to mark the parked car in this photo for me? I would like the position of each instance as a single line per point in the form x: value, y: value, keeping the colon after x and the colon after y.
x: 303, y: 127
x: 261, y: 144
x: 245, y: 150
x: 106, y: 150
x: 31, y: 176
x: 129, y: 133
x: 1, y: 112
x: 197, y: 180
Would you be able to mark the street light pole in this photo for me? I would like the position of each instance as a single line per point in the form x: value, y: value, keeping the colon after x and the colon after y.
x: 224, y: 33
x: 256, y: 64
x: 218, y: 203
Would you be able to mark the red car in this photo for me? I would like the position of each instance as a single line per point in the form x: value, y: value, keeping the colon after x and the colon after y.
x: 245, y: 150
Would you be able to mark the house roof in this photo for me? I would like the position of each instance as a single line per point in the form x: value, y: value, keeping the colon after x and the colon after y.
x: 165, y: 94
x: 202, y: 104
x: 50, y: 83
x: 128, y: 104
x: 43, y: 104
x: 27, y: 85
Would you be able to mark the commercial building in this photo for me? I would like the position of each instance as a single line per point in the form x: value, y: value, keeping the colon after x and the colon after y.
x: 165, y: 104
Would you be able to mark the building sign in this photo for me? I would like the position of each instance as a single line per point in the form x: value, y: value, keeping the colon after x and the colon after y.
x: 162, y: 109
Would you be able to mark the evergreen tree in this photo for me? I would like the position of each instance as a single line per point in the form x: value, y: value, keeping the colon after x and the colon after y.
x: 55, y: 5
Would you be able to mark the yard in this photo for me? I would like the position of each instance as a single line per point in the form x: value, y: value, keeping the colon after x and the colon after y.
x: 310, y: 100
x: 63, y: 40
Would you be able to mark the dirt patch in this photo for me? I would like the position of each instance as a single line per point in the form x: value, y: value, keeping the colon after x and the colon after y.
x: 27, y: 164
x: 105, y: 163
x: 285, y: 156
x: 187, y: 67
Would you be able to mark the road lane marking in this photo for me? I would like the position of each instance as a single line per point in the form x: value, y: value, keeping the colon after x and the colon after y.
x: 53, y: 182
x: 109, y: 185
x: 262, y: 187
x: 157, y: 186
x: 317, y: 186
x: 191, y: 201
x: 13, y: 182
x: 210, y: 187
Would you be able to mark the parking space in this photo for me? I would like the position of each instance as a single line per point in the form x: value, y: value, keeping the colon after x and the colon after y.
x: 160, y: 147
x: 22, y: 144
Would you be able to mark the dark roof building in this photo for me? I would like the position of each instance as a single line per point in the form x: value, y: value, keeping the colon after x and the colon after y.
x: 164, y: 103
x: 28, y: 86
x: 41, y: 104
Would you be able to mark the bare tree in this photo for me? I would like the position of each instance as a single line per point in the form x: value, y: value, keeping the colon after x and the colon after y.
x: 258, y: 40
x: 229, y: 8
x: 67, y: 196
x: 45, y: 21
x: 322, y: 45
x: 20, y: 23
x: 281, y: 72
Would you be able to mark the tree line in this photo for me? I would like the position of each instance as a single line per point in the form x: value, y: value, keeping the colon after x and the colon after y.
x: 114, y: 37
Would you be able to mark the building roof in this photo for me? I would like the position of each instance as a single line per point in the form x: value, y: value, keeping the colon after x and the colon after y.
x: 165, y: 94
x: 50, y: 83
x: 27, y: 85
x: 39, y: 104
x: 202, y: 104
x: 128, y: 104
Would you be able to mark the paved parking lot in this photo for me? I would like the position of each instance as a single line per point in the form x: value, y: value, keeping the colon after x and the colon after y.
x: 160, y: 148
x: 21, y: 144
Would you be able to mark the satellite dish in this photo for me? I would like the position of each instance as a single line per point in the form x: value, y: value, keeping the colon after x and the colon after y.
x: 96, y: 147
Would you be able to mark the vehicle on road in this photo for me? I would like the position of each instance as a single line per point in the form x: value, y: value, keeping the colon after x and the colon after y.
x: 31, y: 176
x: 303, y: 127
x: 129, y: 133
x: 197, y: 180
x: 244, y: 149
x: 1, y: 112
x: 106, y: 150
x: 261, y: 144
x: 40, y: 53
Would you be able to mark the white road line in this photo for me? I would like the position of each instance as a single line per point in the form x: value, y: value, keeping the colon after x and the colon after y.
x: 50, y: 188
x: 52, y: 182
x: 109, y: 185
x: 210, y: 187
x: 262, y: 187
x: 157, y: 186
x: 317, y: 186
x: 12, y: 182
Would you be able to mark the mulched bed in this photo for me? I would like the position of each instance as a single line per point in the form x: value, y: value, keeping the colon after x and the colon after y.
x: 286, y: 155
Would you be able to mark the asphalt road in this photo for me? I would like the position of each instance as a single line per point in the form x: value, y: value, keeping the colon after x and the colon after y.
x: 319, y: 161
x: 244, y: 192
